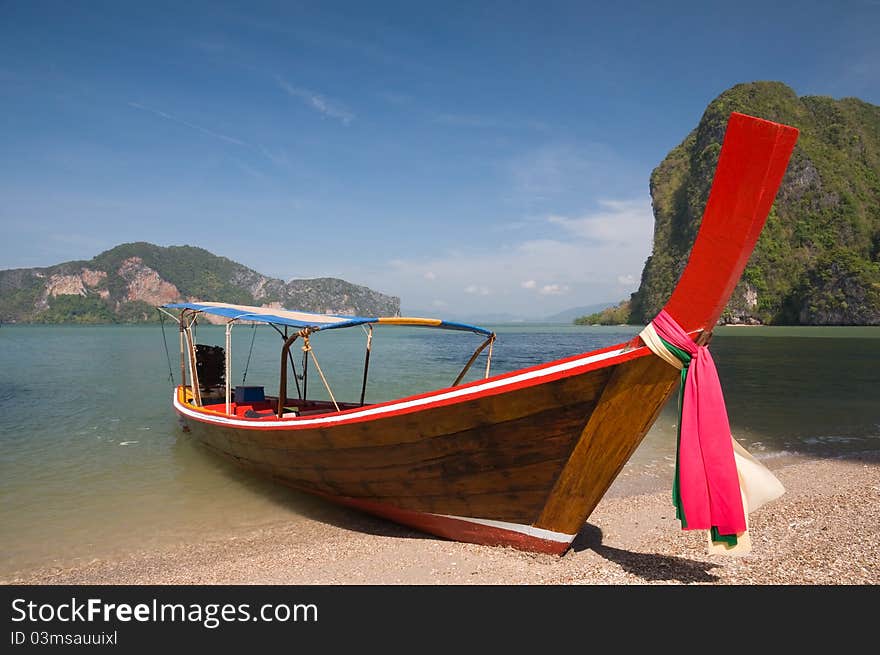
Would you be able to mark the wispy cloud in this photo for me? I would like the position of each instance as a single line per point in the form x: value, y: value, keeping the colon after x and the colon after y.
x: 561, y: 174
x: 548, y: 171
x: 618, y: 221
x: 193, y: 126
x: 546, y: 289
x: 318, y: 102
x: 553, y: 289
x: 477, y: 290
x: 595, y: 256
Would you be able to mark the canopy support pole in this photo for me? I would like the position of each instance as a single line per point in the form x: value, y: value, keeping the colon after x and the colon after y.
x: 283, y: 335
x: 366, y: 363
x: 282, y: 383
x: 489, y: 357
x: 193, y: 368
x: 473, y: 358
x: 182, y: 329
x: 229, y: 368
x: 305, y: 365
x: 299, y: 392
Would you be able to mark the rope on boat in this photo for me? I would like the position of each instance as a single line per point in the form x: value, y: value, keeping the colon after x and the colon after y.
x: 295, y: 376
x: 305, y: 378
x: 307, y: 348
x: 167, y: 353
x: 250, y: 352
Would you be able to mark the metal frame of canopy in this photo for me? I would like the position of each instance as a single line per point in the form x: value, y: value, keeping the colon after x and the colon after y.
x: 307, y: 323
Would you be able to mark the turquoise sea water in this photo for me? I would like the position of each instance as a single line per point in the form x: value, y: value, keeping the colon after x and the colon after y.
x: 92, y: 462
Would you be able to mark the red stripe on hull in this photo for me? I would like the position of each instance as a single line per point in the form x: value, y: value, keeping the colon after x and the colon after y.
x: 297, y: 423
x: 455, y: 529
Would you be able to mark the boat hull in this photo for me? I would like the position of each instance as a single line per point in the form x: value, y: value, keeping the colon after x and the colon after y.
x: 489, y: 468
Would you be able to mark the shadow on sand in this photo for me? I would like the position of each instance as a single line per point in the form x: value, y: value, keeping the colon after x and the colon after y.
x: 649, y: 567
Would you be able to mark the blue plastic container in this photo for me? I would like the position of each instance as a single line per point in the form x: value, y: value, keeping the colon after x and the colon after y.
x: 249, y: 394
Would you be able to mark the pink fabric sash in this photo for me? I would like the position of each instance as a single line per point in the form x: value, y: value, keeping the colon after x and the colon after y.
x: 708, y: 483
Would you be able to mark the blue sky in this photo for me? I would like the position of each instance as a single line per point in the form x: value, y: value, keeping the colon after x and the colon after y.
x: 472, y: 157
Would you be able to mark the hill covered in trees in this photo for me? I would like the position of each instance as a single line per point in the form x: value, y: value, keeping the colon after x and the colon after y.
x: 817, y: 261
x: 126, y: 283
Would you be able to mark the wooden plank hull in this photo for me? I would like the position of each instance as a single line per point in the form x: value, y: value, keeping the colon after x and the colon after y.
x: 487, y: 468
x: 523, y: 458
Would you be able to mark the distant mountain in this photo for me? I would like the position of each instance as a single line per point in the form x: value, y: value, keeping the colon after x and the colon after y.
x: 126, y: 283
x: 817, y: 261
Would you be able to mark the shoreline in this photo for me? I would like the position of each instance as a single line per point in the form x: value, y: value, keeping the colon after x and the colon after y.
x: 824, y: 530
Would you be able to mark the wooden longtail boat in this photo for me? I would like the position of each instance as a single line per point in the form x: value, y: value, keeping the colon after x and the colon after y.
x: 519, y: 459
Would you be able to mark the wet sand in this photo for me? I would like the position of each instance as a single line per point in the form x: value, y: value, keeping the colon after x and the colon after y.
x: 824, y: 530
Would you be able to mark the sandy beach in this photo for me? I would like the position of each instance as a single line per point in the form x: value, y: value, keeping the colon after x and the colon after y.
x: 824, y: 530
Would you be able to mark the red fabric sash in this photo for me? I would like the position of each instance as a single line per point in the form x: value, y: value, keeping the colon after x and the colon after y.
x: 708, y: 482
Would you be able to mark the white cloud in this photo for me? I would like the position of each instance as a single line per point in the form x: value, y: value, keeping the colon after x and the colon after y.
x: 430, y: 275
x: 553, y: 289
x: 618, y: 221
x: 581, y: 259
x: 439, y: 304
x: 318, y: 102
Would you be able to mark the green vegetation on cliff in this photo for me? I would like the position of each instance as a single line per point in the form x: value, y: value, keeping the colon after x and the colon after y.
x: 816, y: 262
x: 196, y: 272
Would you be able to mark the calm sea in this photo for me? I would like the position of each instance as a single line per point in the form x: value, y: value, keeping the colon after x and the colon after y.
x: 93, y: 462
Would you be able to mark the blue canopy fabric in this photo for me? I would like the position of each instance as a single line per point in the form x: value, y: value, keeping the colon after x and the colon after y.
x: 316, y: 322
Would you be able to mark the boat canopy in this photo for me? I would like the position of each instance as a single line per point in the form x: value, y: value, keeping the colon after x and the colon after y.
x: 315, y: 322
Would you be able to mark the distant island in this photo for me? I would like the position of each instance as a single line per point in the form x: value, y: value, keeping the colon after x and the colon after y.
x: 817, y: 261
x: 616, y: 315
x: 126, y: 283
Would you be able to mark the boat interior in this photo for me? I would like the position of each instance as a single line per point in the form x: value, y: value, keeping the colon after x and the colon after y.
x: 251, y: 402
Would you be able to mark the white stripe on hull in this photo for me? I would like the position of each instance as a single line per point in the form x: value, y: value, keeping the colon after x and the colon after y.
x: 530, y: 530
x: 407, y: 404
